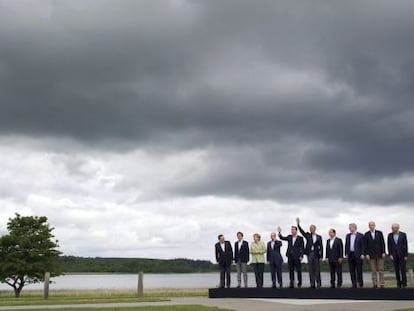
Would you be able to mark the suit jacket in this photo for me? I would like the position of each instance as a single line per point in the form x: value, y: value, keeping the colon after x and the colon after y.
x: 294, y: 251
x: 273, y: 253
x: 359, y: 246
x: 224, y: 258
x: 401, y: 248
x: 337, y: 250
x: 374, y: 247
x: 317, y: 246
x: 242, y: 255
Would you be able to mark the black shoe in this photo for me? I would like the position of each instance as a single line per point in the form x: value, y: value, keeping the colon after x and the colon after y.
x: 299, y: 285
x: 313, y: 287
x: 332, y: 286
x: 339, y: 286
x: 291, y: 286
x: 361, y: 285
x: 238, y: 286
x: 375, y: 286
x: 280, y: 286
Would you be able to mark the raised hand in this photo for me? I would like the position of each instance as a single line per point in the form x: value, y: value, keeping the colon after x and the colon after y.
x: 298, y: 220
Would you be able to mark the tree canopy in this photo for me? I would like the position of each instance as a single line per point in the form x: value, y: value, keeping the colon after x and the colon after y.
x: 27, y: 252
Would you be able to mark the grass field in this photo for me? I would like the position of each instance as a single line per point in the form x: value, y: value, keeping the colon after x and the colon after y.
x: 95, y: 296
x: 152, y: 308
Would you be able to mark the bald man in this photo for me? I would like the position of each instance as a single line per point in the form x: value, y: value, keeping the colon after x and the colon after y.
x: 398, y: 251
x: 275, y: 260
x: 375, y: 254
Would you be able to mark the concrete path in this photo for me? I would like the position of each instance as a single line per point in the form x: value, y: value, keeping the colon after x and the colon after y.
x: 250, y: 304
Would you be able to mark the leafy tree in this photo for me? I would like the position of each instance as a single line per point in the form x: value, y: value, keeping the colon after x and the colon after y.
x: 27, y: 252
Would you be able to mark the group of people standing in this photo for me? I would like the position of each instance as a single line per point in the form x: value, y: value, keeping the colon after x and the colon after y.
x: 358, y: 246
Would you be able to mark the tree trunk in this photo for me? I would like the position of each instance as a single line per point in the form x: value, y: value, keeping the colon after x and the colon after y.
x: 18, y: 287
x: 17, y: 292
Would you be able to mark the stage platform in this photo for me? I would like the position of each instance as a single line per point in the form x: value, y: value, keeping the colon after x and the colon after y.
x: 309, y: 293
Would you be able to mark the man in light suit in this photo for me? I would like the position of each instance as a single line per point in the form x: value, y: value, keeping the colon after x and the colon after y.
x: 398, y: 251
x: 334, y: 256
x: 354, y: 251
x: 314, y: 251
x: 241, y: 258
x: 375, y: 253
x: 275, y: 259
x: 224, y: 257
x: 294, y: 254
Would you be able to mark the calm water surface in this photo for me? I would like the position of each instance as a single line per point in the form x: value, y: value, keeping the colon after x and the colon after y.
x: 192, y: 280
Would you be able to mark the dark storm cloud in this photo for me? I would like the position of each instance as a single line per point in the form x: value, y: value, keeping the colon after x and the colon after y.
x: 322, y: 91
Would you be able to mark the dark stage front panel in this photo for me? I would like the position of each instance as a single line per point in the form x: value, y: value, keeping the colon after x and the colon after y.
x: 321, y: 293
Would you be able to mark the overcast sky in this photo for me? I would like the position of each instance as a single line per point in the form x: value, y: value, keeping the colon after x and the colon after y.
x: 146, y: 128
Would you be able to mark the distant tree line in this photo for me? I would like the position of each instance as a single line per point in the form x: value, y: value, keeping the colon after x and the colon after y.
x: 72, y: 264
x: 134, y: 265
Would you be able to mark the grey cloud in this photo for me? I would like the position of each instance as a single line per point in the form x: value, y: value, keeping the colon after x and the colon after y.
x: 321, y: 91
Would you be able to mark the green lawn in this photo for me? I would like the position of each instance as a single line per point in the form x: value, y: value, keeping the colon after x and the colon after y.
x: 95, y: 296
x: 153, y: 308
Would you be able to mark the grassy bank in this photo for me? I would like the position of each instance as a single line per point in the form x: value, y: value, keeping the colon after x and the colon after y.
x: 95, y: 296
x: 152, y: 308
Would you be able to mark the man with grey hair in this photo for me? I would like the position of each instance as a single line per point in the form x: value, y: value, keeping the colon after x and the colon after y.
x: 398, y: 251
x: 354, y: 251
x: 375, y: 254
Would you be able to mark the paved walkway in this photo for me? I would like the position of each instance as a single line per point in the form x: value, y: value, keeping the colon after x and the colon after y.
x: 250, y: 304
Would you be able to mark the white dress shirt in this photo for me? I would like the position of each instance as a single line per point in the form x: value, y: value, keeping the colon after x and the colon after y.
x: 331, y: 242
x: 396, y: 237
x: 352, y: 242
x: 223, y: 247
x: 314, y: 238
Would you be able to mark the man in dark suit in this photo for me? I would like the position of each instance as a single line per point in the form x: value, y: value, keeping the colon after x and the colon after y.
x: 354, y: 251
x: 294, y: 254
x: 314, y: 251
x: 241, y: 258
x: 334, y: 256
x: 375, y: 253
x: 224, y: 257
x: 275, y: 259
x: 398, y: 251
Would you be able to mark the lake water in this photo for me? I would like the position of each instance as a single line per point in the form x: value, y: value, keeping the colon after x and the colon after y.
x: 151, y: 281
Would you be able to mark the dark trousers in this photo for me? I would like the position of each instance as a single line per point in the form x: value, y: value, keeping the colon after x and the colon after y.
x: 258, y: 273
x: 314, y: 270
x: 276, y: 273
x: 336, y: 273
x: 295, y: 264
x: 355, y: 269
x: 224, y: 274
x: 400, y: 267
